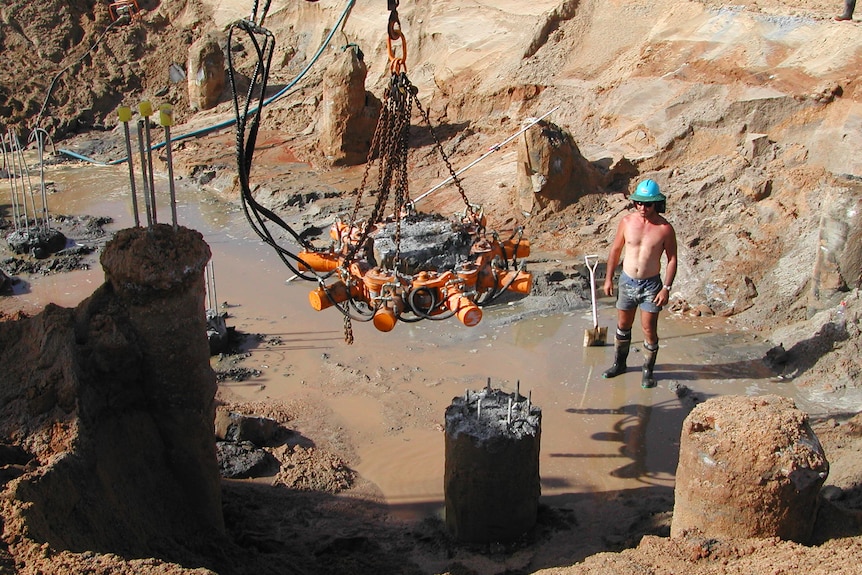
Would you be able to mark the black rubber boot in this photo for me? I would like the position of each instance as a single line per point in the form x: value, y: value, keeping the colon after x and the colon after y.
x: 622, y: 342
x: 650, y: 353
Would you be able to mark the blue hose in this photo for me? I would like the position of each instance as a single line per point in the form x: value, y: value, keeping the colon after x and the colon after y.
x: 232, y: 121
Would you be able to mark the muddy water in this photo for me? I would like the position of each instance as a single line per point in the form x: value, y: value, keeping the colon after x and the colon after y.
x: 386, y: 394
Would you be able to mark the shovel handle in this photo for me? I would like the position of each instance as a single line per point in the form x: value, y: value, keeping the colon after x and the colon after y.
x: 592, y: 266
x: 592, y: 262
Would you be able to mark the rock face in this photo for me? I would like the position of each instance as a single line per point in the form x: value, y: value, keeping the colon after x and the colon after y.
x: 349, y: 113
x: 115, y: 402
x: 206, y: 72
x: 748, y: 467
x: 552, y: 173
x: 838, y: 266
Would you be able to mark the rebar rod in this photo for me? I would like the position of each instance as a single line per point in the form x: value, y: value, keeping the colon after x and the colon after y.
x: 141, y: 146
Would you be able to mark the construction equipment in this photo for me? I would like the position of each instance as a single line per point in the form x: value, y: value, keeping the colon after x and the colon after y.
x: 597, y: 335
x: 368, y: 272
x: 412, y: 294
x: 124, y: 9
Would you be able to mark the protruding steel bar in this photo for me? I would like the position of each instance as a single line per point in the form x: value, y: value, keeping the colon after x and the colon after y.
x: 213, y: 298
x: 25, y: 175
x: 16, y: 169
x: 166, y: 119
x: 13, y: 188
x: 125, y: 114
x: 146, y: 110
x: 147, y: 196
x: 39, y: 135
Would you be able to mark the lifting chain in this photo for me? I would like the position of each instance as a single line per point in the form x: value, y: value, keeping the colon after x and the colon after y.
x: 394, y: 23
x: 348, y: 330
x: 472, y: 212
x: 389, y: 145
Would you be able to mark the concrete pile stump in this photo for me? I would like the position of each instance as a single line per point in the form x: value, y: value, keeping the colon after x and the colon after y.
x: 491, y: 478
x: 158, y: 275
x: 748, y: 467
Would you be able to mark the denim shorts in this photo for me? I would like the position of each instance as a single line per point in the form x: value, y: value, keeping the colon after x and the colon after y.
x: 634, y: 293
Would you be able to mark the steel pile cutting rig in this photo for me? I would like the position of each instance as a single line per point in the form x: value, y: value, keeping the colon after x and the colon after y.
x: 402, y: 292
x: 367, y: 272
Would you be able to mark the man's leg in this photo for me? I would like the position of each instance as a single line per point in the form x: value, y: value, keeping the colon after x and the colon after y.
x: 849, y: 7
x: 622, y: 342
x: 649, y: 323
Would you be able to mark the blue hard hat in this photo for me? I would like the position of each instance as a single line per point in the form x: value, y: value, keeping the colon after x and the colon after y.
x: 647, y: 191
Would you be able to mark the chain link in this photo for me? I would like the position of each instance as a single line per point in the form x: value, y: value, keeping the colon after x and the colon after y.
x: 348, y: 329
x: 390, y: 146
x: 439, y: 146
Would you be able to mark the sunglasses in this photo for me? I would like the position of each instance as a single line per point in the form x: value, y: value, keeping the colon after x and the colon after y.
x: 645, y: 204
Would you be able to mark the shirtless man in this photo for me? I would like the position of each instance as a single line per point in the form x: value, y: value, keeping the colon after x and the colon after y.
x: 645, y: 235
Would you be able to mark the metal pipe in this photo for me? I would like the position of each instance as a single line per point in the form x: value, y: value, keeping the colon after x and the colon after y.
x: 125, y: 114
x: 166, y: 118
x: 146, y: 110
x: 486, y: 154
x: 39, y: 134
x: 144, y: 173
x: 12, y: 188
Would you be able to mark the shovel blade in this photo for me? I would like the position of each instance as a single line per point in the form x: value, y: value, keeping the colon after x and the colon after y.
x: 595, y: 336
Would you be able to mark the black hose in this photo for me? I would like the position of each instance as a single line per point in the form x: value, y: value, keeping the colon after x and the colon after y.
x: 246, y: 137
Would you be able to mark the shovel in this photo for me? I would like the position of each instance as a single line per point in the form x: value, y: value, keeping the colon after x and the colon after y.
x: 597, y: 335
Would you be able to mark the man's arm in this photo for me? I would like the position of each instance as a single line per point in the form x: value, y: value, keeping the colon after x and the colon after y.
x: 614, y: 258
x: 670, y: 248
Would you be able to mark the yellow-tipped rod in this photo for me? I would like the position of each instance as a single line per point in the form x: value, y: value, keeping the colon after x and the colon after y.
x: 125, y: 114
x: 144, y: 177
x: 166, y: 119
x: 39, y: 134
x: 145, y: 108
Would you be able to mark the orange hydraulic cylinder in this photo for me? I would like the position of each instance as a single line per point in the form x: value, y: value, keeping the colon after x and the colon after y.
x: 465, y: 309
x: 319, y: 262
x: 384, y: 318
x: 469, y: 274
x: 337, y: 293
x: 522, y: 281
x: 375, y: 279
x: 519, y: 248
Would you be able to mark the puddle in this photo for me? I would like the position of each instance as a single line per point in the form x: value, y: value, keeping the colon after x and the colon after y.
x: 597, y: 435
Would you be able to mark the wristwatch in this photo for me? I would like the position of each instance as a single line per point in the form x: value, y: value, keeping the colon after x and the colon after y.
x: 668, y: 287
